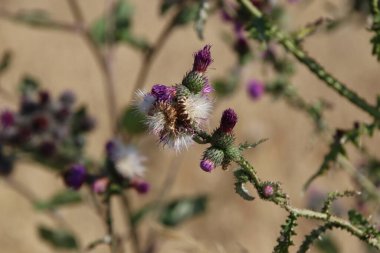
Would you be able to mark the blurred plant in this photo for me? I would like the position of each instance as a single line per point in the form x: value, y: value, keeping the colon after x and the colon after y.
x: 52, y: 131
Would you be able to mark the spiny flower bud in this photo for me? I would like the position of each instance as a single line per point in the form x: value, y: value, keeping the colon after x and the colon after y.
x: 228, y: 120
x: 255, y: 89
x: 7, y: 119
x: 163, y: 92
x: 194, y: 82
x: 75, y: 176
x: 141, y: 187
x: 268, y: 191
x: 207, y: 165
x: 202, y: 59
x: 100, y: 185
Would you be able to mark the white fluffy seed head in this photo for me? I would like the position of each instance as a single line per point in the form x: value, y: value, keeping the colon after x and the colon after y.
x: 130, y: 165
x: 145, y: 101
x: 199, y: 108
x: 156, y: 122
x: 178, y: 142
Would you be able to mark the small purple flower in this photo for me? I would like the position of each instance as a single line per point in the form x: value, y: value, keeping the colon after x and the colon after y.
x: 207, y: 165
x: 202, y: 59
x: 75, y: 176
x: 7, y: 119
x: 255, y: 89
x: 268, y: 191
x: 141, y: 187
x: 163, y: 92
x: 228, y: 120
x: 207, y: 88
x: 100, y: 185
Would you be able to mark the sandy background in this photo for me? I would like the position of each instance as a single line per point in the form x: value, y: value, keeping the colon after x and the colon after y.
x: 62, y: 61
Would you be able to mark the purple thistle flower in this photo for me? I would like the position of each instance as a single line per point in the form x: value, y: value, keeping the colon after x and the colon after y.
x: 207, y: 88
x: 141, y: 187
x: 163, y: 92
x: 7, y: 119
x: 255, y: 89
x: 268, y: 191
x: 100, y: 185
x: 202, y: 59
x: 207, y: 165
x: 75, y: 176
x: 228, y: 120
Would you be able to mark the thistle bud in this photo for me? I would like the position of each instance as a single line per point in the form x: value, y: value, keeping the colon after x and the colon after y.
x: 141, y: 187
x: 202, y: 59
x: 255, y: 89
x: 7, y: 119
x: 228, y: 121
x: 75, y: 176
x: 268, y: 191
x: 207, y: 165
x: 100, y: 185
x: 194, y: 82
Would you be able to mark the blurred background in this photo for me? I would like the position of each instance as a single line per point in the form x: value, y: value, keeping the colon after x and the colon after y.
x: 61, y: 61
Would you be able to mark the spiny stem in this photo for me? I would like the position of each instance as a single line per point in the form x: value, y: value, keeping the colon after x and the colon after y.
x: 309, y: 214
x: 316, y: 68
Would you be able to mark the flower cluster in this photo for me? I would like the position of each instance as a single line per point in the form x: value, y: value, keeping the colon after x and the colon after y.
x: 123, y: 168
x: 174, y: 113
x: 51, y: 130
x: 221, y: 151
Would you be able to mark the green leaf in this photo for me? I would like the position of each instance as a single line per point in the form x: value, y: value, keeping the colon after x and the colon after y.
x: 166, y: 5
x: 284, y: 241
x: 138, y: 216
x: 180, y: 210
x: 133, y: 121
x: 5, y: 61
x: 66, y: 197
x: 28, y: 84
x: 59, y: 239
x: 187, y: 14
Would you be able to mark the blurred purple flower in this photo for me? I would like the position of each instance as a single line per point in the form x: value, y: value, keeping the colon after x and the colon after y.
x: 255, y: 89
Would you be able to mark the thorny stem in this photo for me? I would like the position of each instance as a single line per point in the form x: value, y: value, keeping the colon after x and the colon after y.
x: 314, y: 66
x: 128, y: 212
x: 309, y: 214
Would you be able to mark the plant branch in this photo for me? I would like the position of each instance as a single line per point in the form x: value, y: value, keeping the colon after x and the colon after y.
x: 317, y: 69
x: 127, y: 212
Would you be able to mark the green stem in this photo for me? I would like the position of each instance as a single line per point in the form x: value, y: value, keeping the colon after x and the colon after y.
x: 375, y: 6
x: 309, y: 214
x: 316, y: 68
x: 128, y: 212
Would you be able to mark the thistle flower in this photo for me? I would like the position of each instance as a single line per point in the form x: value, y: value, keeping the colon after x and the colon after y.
x: 75, y: 176
x: 141, y: 187
x: 268, y: 191
x: 228, y: 120
x: 202, y: 59
x: 7, y: 119
x: 100, y: 185
x: 128, y: 161
x: 163, y: 92
x: 175, y: 112
x: 255, y: 89
x: 207, y: 165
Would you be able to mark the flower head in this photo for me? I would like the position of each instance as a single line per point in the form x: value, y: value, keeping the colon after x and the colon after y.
x: 202, y: 59
x: 7, y: 119
x: 141, y: 187
x: 207, y: 165
x: 163, y: 92
x: 128, y: 161
x: 75, y: 176
x: 100, y: 185
x: 268, y: 191
x: 255, y: 89
x: 228, y: 120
